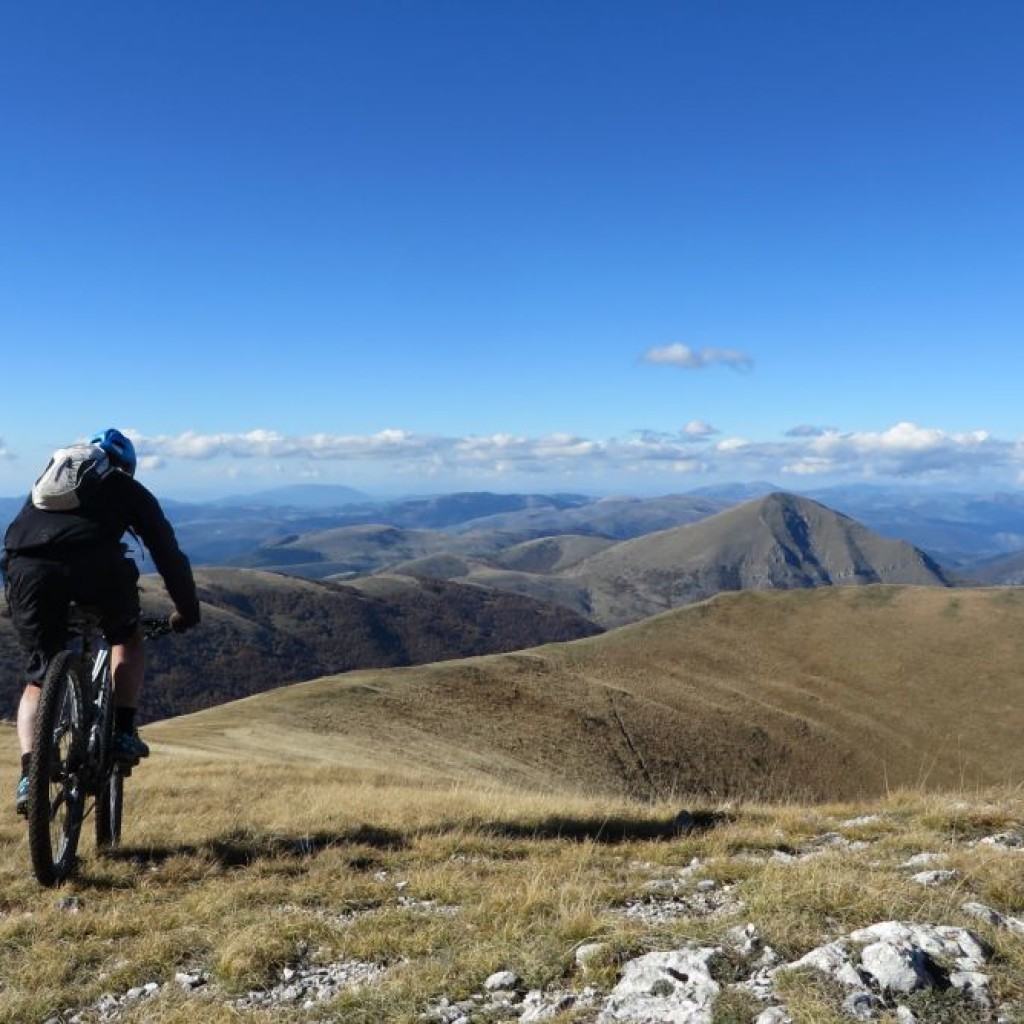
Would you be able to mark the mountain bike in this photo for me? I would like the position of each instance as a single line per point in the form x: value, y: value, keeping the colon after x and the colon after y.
x: 72, y: 771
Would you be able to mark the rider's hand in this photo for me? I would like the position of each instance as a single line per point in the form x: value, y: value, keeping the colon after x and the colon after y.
x: 180, y: 623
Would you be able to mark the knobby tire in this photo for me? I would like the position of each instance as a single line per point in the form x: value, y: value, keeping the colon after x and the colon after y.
x: 109, y: 808
x: 110, y: 788
x: 56, y: 799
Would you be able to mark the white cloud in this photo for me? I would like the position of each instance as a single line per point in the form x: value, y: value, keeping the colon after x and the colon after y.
x: 809, y: 466
x: 732, y: 444
x: 808, y: 430
x: 699, y: 429
x: 902, y: 451
x: 696, y: 359
x: 270, y: 444
x: 907, y: 449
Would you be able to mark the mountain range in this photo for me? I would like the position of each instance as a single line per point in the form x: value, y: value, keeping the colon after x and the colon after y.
x: 959, y: 530
x: 376, y: 595
x: 778, y: 541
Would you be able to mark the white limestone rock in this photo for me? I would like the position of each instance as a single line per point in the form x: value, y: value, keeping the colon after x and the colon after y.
x: 675, y: 986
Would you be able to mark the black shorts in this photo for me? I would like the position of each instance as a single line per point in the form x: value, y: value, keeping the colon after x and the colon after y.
x: 39, y: 591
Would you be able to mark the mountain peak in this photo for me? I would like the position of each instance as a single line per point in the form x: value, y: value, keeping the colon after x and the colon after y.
x: 778, y: 541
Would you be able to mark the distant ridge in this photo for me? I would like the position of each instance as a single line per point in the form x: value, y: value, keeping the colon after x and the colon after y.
x: 1007, y: 570
x: 261, y: 630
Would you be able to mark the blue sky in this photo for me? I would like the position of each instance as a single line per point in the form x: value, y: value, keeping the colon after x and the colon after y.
x: 419, y: 246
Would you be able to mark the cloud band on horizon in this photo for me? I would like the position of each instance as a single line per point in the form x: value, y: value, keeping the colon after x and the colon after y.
x: 904, y: 450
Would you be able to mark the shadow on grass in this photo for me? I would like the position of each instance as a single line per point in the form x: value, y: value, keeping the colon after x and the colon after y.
x: 610, y: 830
x: 241, y: 849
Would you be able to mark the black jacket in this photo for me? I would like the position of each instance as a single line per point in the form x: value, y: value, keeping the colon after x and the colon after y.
x: 120, y: 504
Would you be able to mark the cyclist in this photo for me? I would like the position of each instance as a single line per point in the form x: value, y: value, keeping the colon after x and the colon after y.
x: 51, y: 558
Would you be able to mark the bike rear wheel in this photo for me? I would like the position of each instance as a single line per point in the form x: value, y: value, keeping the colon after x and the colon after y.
x: 56, y: 798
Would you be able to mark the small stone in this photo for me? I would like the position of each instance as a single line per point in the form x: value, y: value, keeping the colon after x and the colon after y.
x: 507, y: 981
x: 1010, y: 840
x: 537, y: 1008
x: 933, y: 878
x: 920, y: 860
x: 862, y: 1005
x: 774, y: 1015
x: 864, y: 819
x: 745, y: 939
x: 993, y: 917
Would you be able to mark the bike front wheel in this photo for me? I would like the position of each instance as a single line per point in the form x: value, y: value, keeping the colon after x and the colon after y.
x: 109, y: 806
x: 56, y: 798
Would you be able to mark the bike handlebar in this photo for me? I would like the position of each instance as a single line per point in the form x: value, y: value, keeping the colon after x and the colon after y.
x: 155, y: 628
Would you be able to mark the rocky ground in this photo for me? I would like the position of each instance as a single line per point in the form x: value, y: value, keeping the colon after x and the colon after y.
x: 932, y: 972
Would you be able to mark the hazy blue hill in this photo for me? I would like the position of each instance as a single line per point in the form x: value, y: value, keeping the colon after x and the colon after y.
x: 346, y: 549
x: 957, y: 528
x: 9, y: 509
x: 1005, y: 571
x: 618, y: 518
x: 442, y: 511
x: 736, y: 492
x: 300, y: 496
x: 256, y: 533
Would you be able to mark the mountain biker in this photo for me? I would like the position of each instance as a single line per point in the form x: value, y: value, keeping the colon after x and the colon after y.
x: 52, y: 558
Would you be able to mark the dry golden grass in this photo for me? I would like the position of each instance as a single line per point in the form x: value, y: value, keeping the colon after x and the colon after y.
x: 242, y: 869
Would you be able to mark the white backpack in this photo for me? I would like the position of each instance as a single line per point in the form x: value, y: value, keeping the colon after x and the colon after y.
x: 72, y: 475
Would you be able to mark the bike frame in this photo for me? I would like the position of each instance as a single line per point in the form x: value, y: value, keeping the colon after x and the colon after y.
x: 94, y: 656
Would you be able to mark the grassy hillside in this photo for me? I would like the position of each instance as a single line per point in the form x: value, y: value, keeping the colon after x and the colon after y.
x: 820, y: 694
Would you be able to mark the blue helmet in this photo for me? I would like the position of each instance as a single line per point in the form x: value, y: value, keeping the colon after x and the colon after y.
x: 119, y: 448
